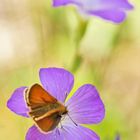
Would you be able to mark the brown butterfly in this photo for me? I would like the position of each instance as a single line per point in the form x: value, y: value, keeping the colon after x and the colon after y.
x: 45, y: 110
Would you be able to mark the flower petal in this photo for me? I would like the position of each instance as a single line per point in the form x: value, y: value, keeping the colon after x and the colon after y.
x: 68, y: 132
x: 115, y: 16
x: 99, y: 6
x: 17, y: 103
x: 73, y: 132
x: 35, y: 134
x: 86, y: 106
x: 117, y: 137
x: 91, y: 5
x: 60, y: 2
x: 57, y: 81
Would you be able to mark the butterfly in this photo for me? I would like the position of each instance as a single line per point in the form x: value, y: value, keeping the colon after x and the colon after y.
x: 44, y: 109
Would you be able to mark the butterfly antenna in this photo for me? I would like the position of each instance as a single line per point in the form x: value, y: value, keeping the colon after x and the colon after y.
x: 72, y: 120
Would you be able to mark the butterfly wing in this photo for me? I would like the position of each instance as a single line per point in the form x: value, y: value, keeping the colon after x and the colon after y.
x: 44, y: 108
x: 48, y: 123
x: 36, y: 95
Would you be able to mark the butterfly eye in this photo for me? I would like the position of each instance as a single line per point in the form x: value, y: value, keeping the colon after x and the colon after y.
x: 64, y: 113
x: 58, y: 116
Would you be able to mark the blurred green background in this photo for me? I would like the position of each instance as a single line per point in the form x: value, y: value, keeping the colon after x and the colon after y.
x: 33, y: 34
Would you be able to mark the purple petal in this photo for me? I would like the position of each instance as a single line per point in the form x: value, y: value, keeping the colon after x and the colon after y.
x: 86, y: 106
x: 117, y: 137
x: 98, y: 7
x: 115, y: 16
x: 35, y: 134
x: 73, y: 132
x: 68, y: 132
x: 57, y: 81
x: 60, y: 2
x: 17, y: 103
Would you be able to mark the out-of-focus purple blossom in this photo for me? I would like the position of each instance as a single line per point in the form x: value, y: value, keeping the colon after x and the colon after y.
x: 117, y: 137
x: 84, y: 107
x: 112, y: 10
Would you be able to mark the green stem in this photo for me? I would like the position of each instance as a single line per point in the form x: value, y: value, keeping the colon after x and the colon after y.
x: 80, y: 32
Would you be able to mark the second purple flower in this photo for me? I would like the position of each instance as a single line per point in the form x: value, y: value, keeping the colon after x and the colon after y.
x: 112, y: 10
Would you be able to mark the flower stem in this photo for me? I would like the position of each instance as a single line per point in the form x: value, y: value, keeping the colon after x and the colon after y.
x: 80, y: 32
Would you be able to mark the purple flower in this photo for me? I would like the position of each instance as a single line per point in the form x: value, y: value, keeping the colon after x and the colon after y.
x: 117, y: 137
x: 84, y: 107
x: 112, y: 10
